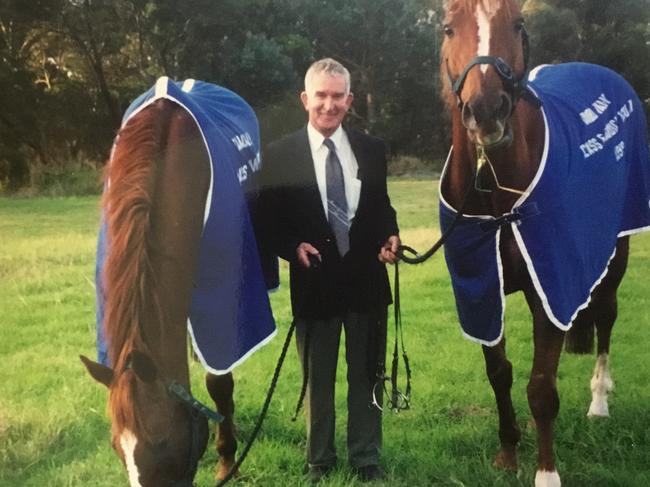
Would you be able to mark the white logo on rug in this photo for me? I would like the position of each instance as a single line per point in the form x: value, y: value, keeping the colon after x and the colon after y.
x: 590, y: 115
x: 611, y: 128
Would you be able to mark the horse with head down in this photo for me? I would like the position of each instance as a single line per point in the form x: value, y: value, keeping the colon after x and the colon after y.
x: 547, y: 177
x: 159, y: 177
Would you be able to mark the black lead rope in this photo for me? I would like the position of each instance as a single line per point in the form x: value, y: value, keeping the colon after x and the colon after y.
x: 399, y: 401
x: 419, y: 258
x: 402, y: 401
x: 265, y: 407
x: 305, y: 374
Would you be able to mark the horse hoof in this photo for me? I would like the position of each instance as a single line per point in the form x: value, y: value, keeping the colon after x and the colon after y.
x: 544, y: 478
x: 506, y: 460
x: 599, y: 407
x: 595, y: 413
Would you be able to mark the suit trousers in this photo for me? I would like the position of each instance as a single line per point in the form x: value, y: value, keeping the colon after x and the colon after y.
x: 364, y: 420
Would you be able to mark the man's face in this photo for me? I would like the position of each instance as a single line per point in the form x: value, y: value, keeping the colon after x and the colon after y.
x: 326, y: 102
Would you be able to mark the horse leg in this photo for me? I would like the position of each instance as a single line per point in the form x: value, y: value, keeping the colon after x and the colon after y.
x: 601, y: 381
x: 220, y: 388
x: 543, y: 397
x: 606, y: 309
x: 499, y: 372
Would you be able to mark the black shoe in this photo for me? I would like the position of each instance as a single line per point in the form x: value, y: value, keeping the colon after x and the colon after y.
x: 317, y: 472
x: 370, y: 473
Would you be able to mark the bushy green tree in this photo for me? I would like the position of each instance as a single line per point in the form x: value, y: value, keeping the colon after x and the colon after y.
x: 613, y: 33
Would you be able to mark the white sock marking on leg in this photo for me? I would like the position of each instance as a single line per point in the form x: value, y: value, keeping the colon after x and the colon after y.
x: 601, y: 385
x: 544, y: 478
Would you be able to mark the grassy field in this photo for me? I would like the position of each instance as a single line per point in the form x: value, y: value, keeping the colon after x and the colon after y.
x: 54, y: 431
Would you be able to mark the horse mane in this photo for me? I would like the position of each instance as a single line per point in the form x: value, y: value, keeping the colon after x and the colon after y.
x: 127, y: 274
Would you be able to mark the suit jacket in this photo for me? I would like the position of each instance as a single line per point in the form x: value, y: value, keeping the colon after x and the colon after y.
x: 294, y: 213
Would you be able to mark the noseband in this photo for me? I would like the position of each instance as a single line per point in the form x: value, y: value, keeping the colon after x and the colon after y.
x: 196, y: 410
x: 515, y: 87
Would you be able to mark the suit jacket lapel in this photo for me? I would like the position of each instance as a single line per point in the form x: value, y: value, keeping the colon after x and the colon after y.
x: 362, y: 159
x: 307, y: 174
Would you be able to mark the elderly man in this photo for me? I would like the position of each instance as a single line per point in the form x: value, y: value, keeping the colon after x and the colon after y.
x: 330, y: 217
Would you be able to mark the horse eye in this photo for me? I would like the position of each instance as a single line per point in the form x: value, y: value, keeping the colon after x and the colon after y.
x: 519, y: 25
x: 449, y: 32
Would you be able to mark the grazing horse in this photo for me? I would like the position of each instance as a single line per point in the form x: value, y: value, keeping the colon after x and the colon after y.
x: 547, y: 177
x: 164, y: 196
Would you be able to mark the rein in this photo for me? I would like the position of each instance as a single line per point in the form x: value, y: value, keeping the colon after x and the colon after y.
x: 265, y: 408
x: 198, y: 409
x: 398, y: 401
x: 420, y: 258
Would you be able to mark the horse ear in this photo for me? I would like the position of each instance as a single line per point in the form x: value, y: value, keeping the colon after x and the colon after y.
x: 99, y: 372
x: 143, y: 366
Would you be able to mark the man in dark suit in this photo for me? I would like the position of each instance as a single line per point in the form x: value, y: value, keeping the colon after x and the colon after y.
x: 330, y: 217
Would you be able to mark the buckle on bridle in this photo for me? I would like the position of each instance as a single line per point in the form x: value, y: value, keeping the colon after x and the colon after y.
x: 177, y: 390
x: 397, y: 400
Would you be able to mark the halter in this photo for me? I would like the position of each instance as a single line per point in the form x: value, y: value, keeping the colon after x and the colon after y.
x: 516, y: 87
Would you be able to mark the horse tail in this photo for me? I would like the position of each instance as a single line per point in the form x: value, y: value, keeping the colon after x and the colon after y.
x: 580, y: 338
x: 127, y: 205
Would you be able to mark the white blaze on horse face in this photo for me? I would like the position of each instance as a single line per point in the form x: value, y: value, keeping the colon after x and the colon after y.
x: 544, y: 478
x: 601, y: 385
x: 128, y: 441
x: 484, y: 14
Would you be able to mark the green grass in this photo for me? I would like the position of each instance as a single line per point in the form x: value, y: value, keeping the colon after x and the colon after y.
x: 54, y: 430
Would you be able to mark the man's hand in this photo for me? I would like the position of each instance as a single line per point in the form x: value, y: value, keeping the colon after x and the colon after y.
x: 303, y: 251
x: 388, y: 253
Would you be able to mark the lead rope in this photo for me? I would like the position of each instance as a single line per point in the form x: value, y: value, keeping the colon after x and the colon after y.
x: 265, y: 407
x: 419, y: 258
x: 399, y: 401
x: 305, y: 372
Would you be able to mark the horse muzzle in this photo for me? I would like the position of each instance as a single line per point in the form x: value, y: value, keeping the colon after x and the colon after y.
x: 486, y: 118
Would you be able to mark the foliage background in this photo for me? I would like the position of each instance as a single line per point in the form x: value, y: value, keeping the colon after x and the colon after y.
x: 69, y: 68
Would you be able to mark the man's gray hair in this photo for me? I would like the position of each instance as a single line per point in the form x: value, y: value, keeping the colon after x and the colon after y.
x: 328, y: 66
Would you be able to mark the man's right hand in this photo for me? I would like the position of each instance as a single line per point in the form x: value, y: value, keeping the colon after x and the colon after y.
x: 303, y: 251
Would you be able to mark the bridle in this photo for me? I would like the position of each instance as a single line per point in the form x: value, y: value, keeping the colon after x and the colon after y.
x: 196, y: 411
x: 516, y: 87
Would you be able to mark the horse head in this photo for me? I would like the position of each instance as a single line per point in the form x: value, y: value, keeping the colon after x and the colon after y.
x: 158, y: 438
x: 484, y: 55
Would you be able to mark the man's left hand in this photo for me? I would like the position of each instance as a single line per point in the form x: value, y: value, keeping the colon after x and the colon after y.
x: 388, y: 252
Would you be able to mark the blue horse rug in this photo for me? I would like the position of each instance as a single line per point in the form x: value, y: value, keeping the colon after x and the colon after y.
x: 592, y: 187
x: 230, y: 315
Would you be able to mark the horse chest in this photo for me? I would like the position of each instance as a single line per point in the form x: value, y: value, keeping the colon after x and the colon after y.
x: 515, y: 273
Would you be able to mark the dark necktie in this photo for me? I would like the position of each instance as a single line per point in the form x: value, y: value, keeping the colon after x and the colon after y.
x: 337, y: 205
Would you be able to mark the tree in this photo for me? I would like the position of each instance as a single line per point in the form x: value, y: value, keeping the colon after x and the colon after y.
x: 613, y: 33
x: 389, y: 47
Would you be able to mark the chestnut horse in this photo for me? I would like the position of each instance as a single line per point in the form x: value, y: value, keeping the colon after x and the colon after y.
x: 159, y: 175
x: 498, y: 146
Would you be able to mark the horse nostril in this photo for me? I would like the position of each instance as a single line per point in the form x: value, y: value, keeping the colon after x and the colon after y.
x: 468, y: 116
x: 506, y: 106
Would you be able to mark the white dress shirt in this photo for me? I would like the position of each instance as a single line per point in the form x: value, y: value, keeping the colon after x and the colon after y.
x: 349, y: 165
